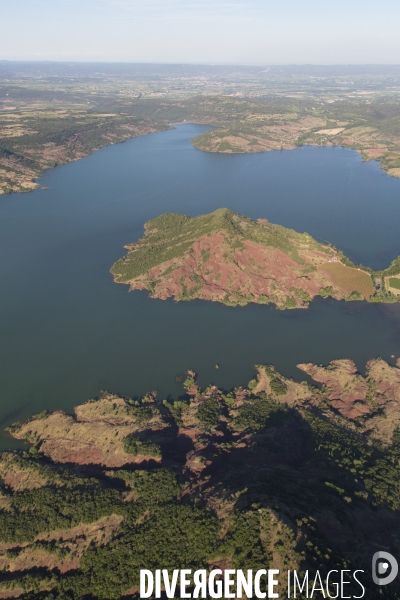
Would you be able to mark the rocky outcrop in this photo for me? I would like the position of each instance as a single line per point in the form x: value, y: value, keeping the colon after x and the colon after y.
x: 95, y: 434
x: 344, y: 389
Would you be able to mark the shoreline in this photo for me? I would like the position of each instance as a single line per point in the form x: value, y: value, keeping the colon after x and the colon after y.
x: 33, y: 184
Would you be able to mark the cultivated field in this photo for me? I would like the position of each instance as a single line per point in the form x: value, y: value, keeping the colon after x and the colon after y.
x: 349, y: 279
x: 392, y: 284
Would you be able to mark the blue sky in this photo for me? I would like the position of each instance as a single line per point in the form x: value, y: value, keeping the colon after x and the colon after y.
x: 202, y: 31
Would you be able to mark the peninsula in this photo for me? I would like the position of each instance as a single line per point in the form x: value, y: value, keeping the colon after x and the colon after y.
x: 232, y: 259
x: 278, y: 473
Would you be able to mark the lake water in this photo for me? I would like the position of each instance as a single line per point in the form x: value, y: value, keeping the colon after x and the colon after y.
x: 67, y: 331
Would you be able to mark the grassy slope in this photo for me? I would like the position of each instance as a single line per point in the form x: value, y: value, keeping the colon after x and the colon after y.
x: 171, y: 235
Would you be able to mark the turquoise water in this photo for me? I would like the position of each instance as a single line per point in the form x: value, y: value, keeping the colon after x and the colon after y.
x: 67, y: 331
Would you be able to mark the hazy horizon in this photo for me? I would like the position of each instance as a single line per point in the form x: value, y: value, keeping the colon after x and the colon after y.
x: 200, y: 64
x: 223, y: 32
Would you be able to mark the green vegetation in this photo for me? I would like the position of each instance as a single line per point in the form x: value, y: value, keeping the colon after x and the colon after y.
x: 156, y: 486
x: 208, y: 413
x: 257, y: 413
x: 394, y: 282
x: 143, y: 412
x: 243, y: 544
x: 326, y: 292
x: 176, y: 409
x: 48, y: 509
x: 303, y: 296
x: 393, y: 269
x: 172, y: 535
x: 290, y: 302
x: 278, y: 386
x: 354, y: 296
x: 276, y: 382
x: 136, y: 447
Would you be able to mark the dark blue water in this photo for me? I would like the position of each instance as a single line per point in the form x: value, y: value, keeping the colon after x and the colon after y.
x: 67, y: 331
